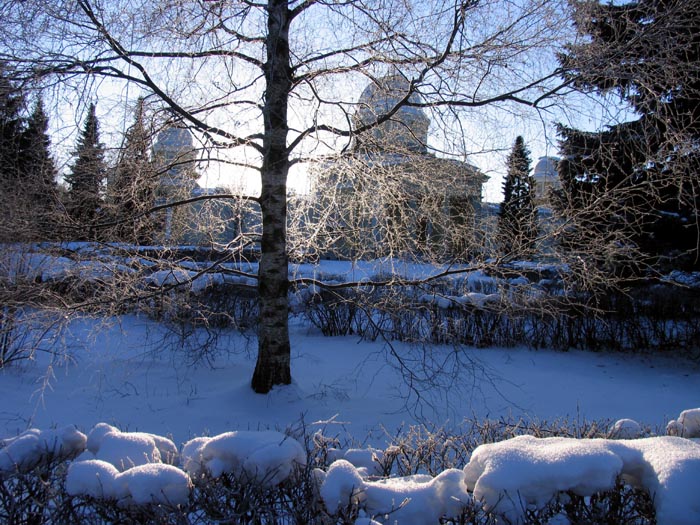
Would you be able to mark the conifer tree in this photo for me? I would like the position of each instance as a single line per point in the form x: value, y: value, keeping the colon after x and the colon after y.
x: 38, y: 173
x: 11, y: 125
x: 634, y: 185
x: 86, y: 179
x: 132, y: 189
x: 12, y: 102
x: 517, y: 219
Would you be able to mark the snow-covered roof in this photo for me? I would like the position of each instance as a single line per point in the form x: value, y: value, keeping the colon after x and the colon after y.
x: 408, y: 126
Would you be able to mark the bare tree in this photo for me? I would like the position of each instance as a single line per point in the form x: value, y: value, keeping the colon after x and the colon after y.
x: 268, y: 85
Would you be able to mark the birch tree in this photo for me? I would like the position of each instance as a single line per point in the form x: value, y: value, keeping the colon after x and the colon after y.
x: 268, y: 85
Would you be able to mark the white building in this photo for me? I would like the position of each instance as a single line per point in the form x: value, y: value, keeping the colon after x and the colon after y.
x: 201, y: 223
x: 546, y: 176
x: 389, y: 194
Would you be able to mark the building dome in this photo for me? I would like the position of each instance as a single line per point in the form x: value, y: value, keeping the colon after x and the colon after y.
x: 546, y: 176
x: 406, y: 129
x: 173, y: 141
x: 174, y: 151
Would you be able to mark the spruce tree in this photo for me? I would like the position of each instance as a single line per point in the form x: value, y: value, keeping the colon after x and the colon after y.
x: 86, y: 179
x: 131, y: 191
x: 38, y: 175
x: 11, y: 125
x: 634, y: 184
x: 517, y: 218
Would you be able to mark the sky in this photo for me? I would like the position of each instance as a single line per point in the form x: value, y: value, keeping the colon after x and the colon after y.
x: 491, y: 145
x: 484, y: 135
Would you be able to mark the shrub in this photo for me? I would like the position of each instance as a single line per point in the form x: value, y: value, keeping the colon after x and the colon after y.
x: 39, y: 496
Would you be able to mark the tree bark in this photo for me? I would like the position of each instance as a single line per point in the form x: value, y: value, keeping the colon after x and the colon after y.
x: 273, y: 364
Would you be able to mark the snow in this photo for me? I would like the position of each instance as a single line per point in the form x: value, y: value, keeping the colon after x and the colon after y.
x: 140, y: 485
x: 34, y: 447
x: 266, y: 457
x: 126, y: 466
x: 687, y: 425
x: 410, y: 500
x: 529, y: 470
x: 510, y: 475
x: 94, y: 478
x: 625, y: 429
x: 195, y: 280
x: 689, y: 279
x: 477, y: 299
x: 127, y: 449
x: 155, y: 483
x: 368, y: 461
x: 132, y: 373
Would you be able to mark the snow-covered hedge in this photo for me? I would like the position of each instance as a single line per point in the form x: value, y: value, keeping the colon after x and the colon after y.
x: 464, y: 308
x: 242, y: 476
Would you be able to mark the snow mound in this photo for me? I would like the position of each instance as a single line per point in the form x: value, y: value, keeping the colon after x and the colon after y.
x: 367, y: 460
x: 155, y: 483
x: 532, y: 471
x: 508, y: 476
x: 93, y: 478
x: 128, y: 449
x: 34, y: 447
x: 194, y: 280
x: 266, y: 457
x: 477, y: 300
x: 687, y: 425
x: 413, y: 500
x: 625, y: 429
x: 152, y: 483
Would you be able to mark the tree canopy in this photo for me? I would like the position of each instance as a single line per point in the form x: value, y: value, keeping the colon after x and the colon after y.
x: 635, y: 184
x: 517, y: 218
x: 268, y: 85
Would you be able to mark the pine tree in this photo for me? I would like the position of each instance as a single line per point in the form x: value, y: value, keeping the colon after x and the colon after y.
x: 38, y: 174
x: 11, y: 125
x: 86, y: 179
x: 132, y: 189
x: 635, y: 183
x: 517, y: 219
x: 12, y: 103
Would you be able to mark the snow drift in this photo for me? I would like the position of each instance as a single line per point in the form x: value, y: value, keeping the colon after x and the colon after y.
x: 505, y: 478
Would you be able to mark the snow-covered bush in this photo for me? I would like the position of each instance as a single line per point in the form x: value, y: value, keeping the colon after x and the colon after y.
x: 266, y: 458
x: 687, y: 425
x: 35, y: 447
x: 490, y: 472
x: 509, y: 476
x: 415, y: 500
x: 626, y: 429
x: 125, y: 450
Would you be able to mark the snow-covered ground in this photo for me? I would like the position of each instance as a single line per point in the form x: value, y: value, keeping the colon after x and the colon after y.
x: 130, y: 373
x: 125, y: 390
x: 125, y: 373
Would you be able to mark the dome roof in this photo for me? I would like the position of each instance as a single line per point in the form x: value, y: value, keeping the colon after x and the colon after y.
x: 174, y: 150
x: 407, y: 128
x: 174, y: 139
x: 546, y: 168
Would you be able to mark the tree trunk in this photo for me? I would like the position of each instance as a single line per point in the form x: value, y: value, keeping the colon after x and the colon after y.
x: 273, y: 364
